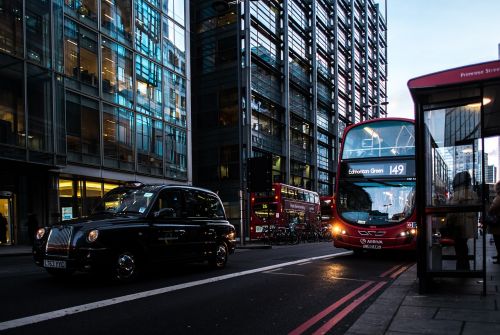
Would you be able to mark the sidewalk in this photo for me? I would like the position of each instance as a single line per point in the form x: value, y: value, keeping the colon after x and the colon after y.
x: 455, y: 306
x: 15, y: 250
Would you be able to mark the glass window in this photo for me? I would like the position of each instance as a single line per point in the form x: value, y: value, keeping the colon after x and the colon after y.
x: 117, y: 81
x: 118, y: 130
x: 175, y: 10
x: 39, y: 97
x: 176, y: 152
x: 229, y: 162
x: 376, y: 203
x: 12, y: 117
x: 38, y: 32
x: 383, y: 139
x: 82, y: 10
x: 69, y: 200
x: 148, y: 83
x: 172, y: 199
x: 58, y: 19
x: 174, y: 46
x: 11, y: 27
x: 82, y: 129
x: 453, y: 139
x: 149, y: 145
x: 228, y: 107
x: 93, y: 194
x: 175, y: 98
x: 80, y: 53
x: 201, y: 204
x: 147, y: 30
x: 116, y: 16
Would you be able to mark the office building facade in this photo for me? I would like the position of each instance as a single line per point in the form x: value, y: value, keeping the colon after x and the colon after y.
x: 281, y: 78
x: 93, y: 93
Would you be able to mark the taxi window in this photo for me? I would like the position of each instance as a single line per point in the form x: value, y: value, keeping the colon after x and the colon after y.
x: 203, y: 205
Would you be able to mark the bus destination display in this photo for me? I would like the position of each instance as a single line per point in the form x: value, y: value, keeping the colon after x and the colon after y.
x: 383, y: 169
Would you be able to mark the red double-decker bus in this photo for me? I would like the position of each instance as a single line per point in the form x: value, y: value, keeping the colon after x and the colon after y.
x: 375, y: 189
x: 284, y: 206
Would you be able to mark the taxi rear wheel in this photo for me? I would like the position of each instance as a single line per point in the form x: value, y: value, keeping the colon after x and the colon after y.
x: 219, y: 257
x: 125, y: 266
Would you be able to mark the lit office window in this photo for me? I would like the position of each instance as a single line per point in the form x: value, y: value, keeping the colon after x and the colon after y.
x: 147, y: 30
x: 82, y: 10
x: 80, y: 53
x: 118, y: 130
x: 117, y: 81
x: 11, y: 27
x: 116, y: 17
x: 148, y: 85
x: 12, y: 116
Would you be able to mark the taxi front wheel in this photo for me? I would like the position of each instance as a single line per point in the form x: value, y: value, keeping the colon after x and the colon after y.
x: 219, y: 258
x: 125, y: 267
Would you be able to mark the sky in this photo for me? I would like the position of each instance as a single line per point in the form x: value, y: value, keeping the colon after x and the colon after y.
x: 426, y: 36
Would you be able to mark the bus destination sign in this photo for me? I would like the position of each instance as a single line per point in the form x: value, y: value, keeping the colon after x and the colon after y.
x: 379, y: 169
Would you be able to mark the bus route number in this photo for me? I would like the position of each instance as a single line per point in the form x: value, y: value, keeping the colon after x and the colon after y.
x: 397, y: 169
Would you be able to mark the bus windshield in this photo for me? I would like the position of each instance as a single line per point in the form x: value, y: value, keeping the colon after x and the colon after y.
x: 376, y: 202
x: 388, y: 139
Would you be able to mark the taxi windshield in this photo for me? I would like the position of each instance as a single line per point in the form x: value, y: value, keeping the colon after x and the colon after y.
x: 125, y: 200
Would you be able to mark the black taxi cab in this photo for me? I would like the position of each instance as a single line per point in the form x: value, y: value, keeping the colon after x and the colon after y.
x: 135, y: 225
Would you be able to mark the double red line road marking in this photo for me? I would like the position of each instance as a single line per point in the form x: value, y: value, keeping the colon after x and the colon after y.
x: 337, y: 317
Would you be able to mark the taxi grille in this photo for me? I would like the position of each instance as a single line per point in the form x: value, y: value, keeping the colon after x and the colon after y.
x: 58, y: 241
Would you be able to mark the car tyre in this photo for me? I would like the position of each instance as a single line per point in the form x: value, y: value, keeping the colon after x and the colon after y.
x: 219, y: 257
x: 125, y: 267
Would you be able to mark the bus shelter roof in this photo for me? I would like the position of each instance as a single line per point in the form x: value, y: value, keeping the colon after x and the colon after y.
x: 457, y: 76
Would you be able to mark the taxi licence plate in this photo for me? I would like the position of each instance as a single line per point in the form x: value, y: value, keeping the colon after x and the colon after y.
x: 48, y: 263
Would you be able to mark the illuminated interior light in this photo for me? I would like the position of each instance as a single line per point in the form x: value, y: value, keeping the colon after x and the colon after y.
x: 372, y: 132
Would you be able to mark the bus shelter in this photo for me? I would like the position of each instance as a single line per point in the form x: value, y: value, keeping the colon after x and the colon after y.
x: 457, y: 123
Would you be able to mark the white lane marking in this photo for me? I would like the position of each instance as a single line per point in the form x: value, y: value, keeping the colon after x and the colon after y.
x: 113, y: 301
x: 284, y: 274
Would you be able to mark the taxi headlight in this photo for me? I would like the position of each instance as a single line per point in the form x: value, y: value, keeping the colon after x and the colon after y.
x: 92, y: 235
x: 40, y: 233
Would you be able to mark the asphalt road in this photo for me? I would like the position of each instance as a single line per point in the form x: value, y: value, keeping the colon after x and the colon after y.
x: 309, y: 288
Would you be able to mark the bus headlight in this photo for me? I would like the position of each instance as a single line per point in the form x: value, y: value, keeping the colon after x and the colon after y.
x: 40, y: 233
x: 92, y: 235
x: 338, y: 230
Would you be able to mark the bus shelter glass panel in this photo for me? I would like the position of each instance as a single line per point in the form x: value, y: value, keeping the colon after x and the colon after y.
x: 453, y: 171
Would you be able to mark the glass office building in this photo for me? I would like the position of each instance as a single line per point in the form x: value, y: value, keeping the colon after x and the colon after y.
x: 282, y: 78
x: 93, y: 93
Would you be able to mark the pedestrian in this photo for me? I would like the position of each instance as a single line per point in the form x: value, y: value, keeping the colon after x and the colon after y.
x: 3, y: 229
x: 32, y: 227
x: 494, y: 226
x: 461, y: 225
